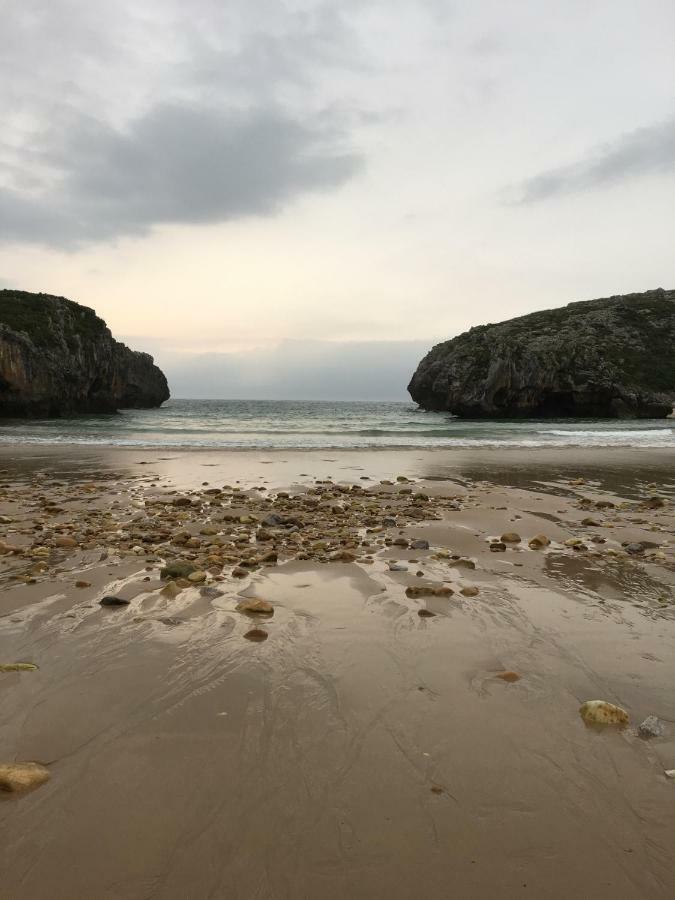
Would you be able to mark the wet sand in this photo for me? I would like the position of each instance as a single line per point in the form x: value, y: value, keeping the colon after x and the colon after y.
x: 362, y: 750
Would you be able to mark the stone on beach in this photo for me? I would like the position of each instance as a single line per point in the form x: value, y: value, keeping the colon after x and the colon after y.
x: 538, y: 542
x: 197, y: 577
x: 113, y: 601
x: 600, y: 712
x: 255, y: 607
x: 511, y: 537
x: 428, y: 590
x: 419, y: 544
x: 509, y: 676
x: 469, y: 591
x: 651, y: 727
x: 20, y: 777
x: 257, y: 635
x: 177, y: 570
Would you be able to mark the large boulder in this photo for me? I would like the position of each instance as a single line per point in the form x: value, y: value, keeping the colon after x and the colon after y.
x: 58, y: 358
x: 612, y: 358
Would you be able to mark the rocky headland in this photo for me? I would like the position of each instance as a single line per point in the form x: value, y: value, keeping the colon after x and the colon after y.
x: 58, y: 358
x: 610, y: 358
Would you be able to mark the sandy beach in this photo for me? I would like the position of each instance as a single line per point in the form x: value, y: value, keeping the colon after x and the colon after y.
x: 394, y: 720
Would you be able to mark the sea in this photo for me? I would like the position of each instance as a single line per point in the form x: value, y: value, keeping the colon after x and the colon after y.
x: 264, y: 424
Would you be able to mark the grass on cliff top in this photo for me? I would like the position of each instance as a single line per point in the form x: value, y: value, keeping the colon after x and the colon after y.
x: 636, y: 338
x: 44, y: 317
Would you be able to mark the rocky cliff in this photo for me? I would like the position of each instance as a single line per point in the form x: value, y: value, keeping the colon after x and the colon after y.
x: 612, y: 358
x: 58, y: 358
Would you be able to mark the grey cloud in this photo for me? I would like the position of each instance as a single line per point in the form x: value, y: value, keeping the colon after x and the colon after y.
x: 175, y: 164
x: 641, y: 152
x: 88, y: 154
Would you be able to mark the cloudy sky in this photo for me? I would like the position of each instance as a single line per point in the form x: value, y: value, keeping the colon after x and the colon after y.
x: 298, y: 197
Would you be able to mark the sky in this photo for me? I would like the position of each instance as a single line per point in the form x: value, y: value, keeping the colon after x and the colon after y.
x: 298, y: 198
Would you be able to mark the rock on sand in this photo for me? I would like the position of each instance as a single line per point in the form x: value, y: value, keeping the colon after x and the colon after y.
x: 22, y: 776
x: 600, y: 712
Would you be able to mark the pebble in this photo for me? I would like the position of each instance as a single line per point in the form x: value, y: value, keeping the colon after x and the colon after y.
x: 600, y: 712
x: 425, y: 613
x: 65, y: 542
x: 511, y: 537
x: 113, y: 601
x: 177, y: 570
x: 20, y: 777
x: 419, y: 545
x: 256, y: 634
x: 635, y: 549
x: 397, y: 567
x: 469, y: 591
x: 539, y: 541
x: 509, y: 676
x: 651, y: 727
x: 197, y: 577
x: 497, y: 547
x: 255, y: 607
x: 429, y: 591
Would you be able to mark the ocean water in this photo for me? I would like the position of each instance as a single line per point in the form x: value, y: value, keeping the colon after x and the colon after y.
x: 328, y: 424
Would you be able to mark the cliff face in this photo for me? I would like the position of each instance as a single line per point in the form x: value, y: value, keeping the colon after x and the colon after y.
x: 58, y: 358
x: 612, y: 358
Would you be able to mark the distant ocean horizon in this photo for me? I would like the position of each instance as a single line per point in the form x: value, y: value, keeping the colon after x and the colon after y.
x: 294, y: 424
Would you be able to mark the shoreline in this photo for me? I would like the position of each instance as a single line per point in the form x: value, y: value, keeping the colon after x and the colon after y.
x: 281, y: 467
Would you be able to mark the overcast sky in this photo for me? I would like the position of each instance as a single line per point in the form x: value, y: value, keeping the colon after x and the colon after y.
x: 255, y: 191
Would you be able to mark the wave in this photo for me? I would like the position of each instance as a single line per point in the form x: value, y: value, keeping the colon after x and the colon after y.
x: 624, y: 432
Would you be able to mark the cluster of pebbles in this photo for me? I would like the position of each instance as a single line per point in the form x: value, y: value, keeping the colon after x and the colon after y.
x: 212, y: 533
x: 218, y: 533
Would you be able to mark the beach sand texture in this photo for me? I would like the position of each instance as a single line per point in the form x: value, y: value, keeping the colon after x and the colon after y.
x: 410, y: 726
